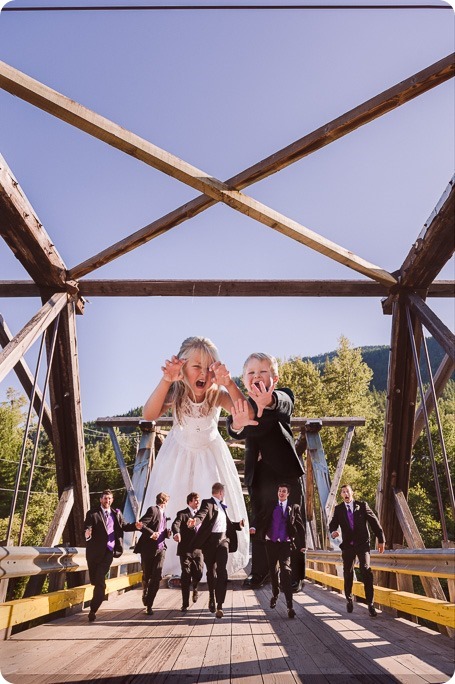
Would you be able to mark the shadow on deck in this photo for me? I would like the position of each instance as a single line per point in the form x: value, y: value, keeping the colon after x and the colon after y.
x: 251, y: 644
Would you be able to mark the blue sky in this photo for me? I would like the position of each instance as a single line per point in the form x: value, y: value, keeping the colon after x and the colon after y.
x: 222, y: 90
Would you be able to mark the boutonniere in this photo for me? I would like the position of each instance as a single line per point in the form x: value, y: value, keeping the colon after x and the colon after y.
x: 356, y: 508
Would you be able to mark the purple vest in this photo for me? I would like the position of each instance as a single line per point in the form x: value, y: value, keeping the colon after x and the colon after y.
x: 278, y: 528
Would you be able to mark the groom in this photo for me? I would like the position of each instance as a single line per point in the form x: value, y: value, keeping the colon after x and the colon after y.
x: 217, y: 537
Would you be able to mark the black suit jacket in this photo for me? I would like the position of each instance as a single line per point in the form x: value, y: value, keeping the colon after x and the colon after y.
x: 206, y: 517
x: 96, y: 545
x: 151, y: 521
x: 273, y: 438
x: 359, y: 535
x: 295, y: 525
x: 187, y: 534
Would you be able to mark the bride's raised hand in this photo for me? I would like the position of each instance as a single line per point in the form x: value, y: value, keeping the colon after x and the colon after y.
x: 173, y: 369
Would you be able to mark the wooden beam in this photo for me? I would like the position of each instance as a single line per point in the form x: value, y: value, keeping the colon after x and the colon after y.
x: 57, y: 104
x: 26, y: 379
x: 385, y: 102
x: 69, y: 446
x: 125, y: 474
x: 222, y: 288
x: 441, y: 378
x: 433, y: 324
x: 135, y: 421
x: 434, y: 246
x: 24, y: 339
x: 25, y: 235
x: 332, y: 498
x: 399, y: 423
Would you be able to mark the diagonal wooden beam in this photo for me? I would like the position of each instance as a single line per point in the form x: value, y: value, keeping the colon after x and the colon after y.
x: 433, y: 324
x: 26, y: 379
x: 25, y: 235
x: 57, y: 104
x: 434, y: 246
x: 24, y: 339
x: 386, y: 101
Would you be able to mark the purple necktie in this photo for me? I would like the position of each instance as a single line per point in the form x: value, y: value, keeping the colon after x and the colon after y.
x: 350, y: 517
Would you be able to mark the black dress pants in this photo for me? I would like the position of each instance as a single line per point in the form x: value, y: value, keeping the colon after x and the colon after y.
x: 363, y: 554
x: 279, y: 560
x: 191, y: 564
x: 97, y: 573
x: 216, y: 553
x: 152, y: 571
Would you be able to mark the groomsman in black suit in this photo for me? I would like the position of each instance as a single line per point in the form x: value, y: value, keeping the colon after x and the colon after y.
x: 104, y: 527
x: 191, y: 562
x: 217, y: 537
x: 352, y: 517
x: 264, y: 422
x: 280, y: 524
x: 152, y: 547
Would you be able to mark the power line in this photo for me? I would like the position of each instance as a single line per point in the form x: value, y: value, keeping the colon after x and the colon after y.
x: 162, y: 8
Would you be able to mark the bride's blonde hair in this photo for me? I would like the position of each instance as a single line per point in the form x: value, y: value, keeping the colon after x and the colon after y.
x: 180, y: 390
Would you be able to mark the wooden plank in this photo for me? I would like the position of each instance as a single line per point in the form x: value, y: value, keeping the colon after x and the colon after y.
x: 24, y: 339
x: 399, y: 426
x: 25, y: 235
x: 433, y: 324
x: 297, y: 423
x: 435, y: 610
x: 88, y: 121
x: 441, y: 378
x: 125, y: 474
x: 331, y: 499
x: 386, y: 101
x: 223, y: 288
x: 69, y: 444
x: 25, y: 377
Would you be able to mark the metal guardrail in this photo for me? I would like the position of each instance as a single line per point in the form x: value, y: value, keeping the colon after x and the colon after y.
x: 22, y: 561
x: 424, y: 562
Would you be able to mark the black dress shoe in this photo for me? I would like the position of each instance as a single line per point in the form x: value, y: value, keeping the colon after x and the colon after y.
x: 212, y: 605
x: 184, y: 609
x: 91, y: 616
x: 219, y: 611
x: 149, y: 610
x: 296, y: 586
x: 372, y: 610
x: 291, y: 613
x: 273, y: 601
x: 195, y: 595
x: 349, y: 605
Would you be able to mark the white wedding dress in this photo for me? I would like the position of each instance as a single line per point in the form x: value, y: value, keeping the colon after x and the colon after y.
x: 193, y: 457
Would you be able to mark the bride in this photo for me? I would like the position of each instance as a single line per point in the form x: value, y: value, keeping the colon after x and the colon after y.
x: 194, y: 455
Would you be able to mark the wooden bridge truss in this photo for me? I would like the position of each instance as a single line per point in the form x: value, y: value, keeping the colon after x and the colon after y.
x: 62, y: 289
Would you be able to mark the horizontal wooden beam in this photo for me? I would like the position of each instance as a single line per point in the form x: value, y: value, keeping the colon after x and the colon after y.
x: 135, y: 421
x: 25, y: 235
x: 385, y: 102
x: 24, y: 339
x: 102, y: 128
x: 26, y: 379
x: 222, y: 288
x: 433, y: 324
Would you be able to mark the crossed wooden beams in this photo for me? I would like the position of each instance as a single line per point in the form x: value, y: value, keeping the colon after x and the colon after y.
x: 61, y: 288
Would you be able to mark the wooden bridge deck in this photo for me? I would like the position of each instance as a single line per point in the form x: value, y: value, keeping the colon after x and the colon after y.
x: 251, y: 644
